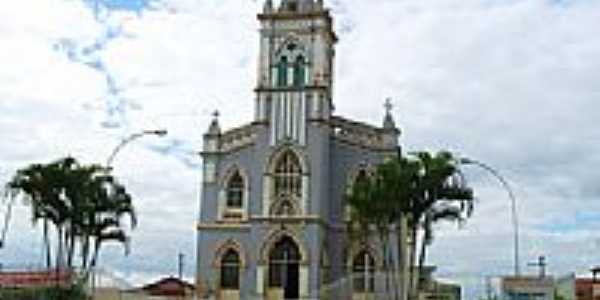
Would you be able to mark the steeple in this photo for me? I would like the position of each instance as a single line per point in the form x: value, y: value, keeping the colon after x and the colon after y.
x: 295, y: 74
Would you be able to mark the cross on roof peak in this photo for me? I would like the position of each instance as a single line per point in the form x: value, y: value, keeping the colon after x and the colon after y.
x: 216, y: 114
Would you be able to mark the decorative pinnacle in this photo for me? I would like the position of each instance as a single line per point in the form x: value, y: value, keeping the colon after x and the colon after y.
x: 216, y: 114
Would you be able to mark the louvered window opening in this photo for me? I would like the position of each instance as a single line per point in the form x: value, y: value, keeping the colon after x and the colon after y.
x: 288, y: 177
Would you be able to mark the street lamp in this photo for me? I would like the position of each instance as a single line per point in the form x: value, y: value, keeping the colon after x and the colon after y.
x: 129, y: 139
x: 513, y: 202
x: 108, y: 167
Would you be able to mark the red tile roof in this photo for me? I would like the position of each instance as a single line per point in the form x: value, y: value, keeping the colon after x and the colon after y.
x: 169, y: 286
x: 33, y: 279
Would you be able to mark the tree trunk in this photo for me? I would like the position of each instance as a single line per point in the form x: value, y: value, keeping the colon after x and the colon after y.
x: 402, y: 235
x: 403, y: 244
x: 59, y: 251
x: 85, y: 251
x: 383, y: 242
x: 92, y: 268
x: 411, y: 266
x: 70, y: 248
x: 47, y: 246
x: 97, y: 245
x: 386, y: 268
x: 394, y: 271
x: 422, y: 255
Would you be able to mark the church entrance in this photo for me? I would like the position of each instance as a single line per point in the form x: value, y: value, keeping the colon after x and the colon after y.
x: 284, y: 260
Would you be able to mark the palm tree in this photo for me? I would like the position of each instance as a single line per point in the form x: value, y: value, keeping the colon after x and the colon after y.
x: 112, y: 204
x: 43, y: 186
x: 84, y: 203
x: 438, y: 192
x: 31, y: 182
x: 374, y: 205
x: 412, y: 193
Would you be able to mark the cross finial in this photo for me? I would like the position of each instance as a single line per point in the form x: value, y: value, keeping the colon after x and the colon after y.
x: 216, y: 114
x: 388, y: 105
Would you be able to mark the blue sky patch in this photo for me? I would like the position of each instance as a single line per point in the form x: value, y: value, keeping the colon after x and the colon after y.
x: 582, y: 220
x: 137, y: 6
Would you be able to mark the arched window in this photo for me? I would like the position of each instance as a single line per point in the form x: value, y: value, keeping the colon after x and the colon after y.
x: 288, y: 176
x: 283, y: 263
x: 282, y: 70
x: 363, y: 271
x: 299, y: 71
x: 230, y: 270
x: 235, y: 191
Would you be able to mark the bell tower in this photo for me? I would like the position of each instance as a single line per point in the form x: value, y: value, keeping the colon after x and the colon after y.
x: 295, y: 68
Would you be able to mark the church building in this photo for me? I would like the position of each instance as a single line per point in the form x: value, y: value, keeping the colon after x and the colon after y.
x: 273, y: 221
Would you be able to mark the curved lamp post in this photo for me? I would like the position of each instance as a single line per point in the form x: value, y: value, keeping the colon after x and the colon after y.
x: 513, y: 203
x: 129, y: 139
x: 111, y: 158
x: 7, y: 217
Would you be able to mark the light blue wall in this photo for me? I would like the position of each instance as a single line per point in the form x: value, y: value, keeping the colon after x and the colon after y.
x: 331, y: 165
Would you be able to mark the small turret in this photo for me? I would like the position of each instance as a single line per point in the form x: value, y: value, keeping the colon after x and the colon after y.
x: 211, y: 138
x: 388, y: 121
x: 390, y: 131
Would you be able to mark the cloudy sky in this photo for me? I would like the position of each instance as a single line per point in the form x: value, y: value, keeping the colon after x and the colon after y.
x: 511, y: 83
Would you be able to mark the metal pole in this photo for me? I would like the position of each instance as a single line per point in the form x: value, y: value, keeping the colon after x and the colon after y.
x: 180, y: 266
x: 128, y: 140
x: 513, y: 202
x: 108, y: 166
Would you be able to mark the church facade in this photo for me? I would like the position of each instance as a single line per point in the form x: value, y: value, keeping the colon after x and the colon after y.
x: 272, y: 221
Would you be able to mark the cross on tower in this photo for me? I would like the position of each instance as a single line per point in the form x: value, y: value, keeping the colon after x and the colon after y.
x: 388, y: 106
x: 541, y: 263
x: 216, y: 114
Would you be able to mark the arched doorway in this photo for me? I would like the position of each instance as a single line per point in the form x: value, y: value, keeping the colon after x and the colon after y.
x: 284, y: 260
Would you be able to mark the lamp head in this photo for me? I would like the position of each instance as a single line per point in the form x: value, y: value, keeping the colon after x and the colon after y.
x: 466, y: 161
x: 159, y: 132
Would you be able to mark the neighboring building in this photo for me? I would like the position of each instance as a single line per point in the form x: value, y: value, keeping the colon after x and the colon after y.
x: 272, y: 215
x: 565, y: 287
x: 528, y: 288
x: 434, y: 289
x: 438, y: 290
x: 169, y: 288
x: 587, y: 289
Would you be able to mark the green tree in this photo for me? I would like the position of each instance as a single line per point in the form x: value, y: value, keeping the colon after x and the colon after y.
x: 43, y: 187
x: 417, y: 191
x: 437, y: 192
x: 111, y: 204
x: 84, y: 204
x: 370, y: 209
